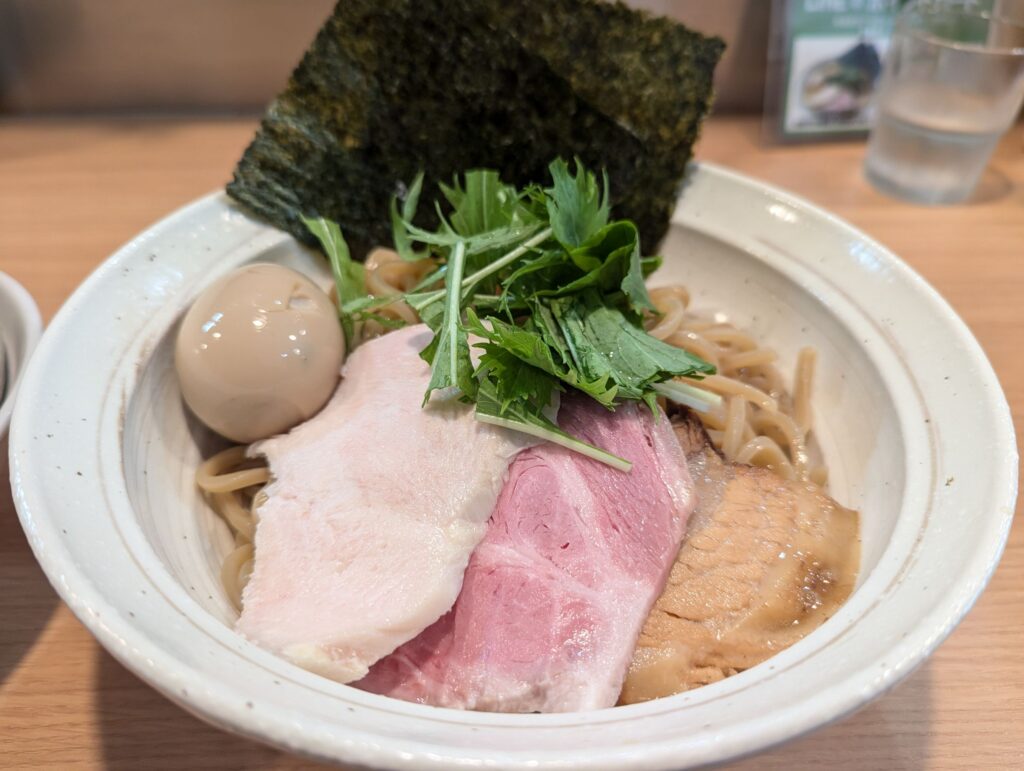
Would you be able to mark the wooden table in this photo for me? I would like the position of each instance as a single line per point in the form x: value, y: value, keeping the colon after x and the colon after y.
x: 72, y: 192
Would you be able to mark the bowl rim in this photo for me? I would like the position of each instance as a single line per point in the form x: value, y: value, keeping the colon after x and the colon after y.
x: 27, y: 312
x: 166, y: 674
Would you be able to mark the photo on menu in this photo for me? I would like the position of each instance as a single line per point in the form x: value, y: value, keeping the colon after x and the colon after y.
x: 826, y: 65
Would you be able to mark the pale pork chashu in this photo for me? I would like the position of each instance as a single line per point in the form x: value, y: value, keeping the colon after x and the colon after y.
x: 374, y: 508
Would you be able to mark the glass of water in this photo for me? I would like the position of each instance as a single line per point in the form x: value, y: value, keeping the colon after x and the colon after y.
x: 953, y: 83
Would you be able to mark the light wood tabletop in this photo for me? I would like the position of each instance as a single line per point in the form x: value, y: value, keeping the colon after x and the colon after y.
x: 71, y: 192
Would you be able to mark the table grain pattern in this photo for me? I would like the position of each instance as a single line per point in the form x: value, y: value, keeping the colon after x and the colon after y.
x: 72, y: 191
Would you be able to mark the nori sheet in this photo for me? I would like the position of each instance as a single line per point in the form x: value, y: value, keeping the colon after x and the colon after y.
x: 390, y: 87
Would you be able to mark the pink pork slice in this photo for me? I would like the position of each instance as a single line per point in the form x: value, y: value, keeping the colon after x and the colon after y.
x: 374, y: 508
x: 555, y: 595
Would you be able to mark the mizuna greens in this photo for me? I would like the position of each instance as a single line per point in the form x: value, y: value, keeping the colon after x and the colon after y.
x: 551, y: 292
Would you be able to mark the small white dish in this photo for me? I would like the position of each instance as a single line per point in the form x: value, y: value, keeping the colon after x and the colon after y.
x: 908, y: 412
x: 20, y: 327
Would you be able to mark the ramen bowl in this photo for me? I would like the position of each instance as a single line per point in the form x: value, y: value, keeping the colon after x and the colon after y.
x: 103, y: 457
x: 20, y: 327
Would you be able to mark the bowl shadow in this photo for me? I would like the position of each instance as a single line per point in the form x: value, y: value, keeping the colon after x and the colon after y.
x: 29, y: 600
x: 892, y: 732
x: 139, y: 728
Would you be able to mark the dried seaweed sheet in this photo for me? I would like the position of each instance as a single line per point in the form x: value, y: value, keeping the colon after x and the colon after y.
x: 390, y: 87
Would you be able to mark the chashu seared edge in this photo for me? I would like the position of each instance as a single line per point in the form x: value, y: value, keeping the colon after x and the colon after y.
x: 765, y: 562
x: 374, y: 508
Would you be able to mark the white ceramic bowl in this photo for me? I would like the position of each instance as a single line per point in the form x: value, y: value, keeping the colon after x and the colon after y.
x: 20, y: 327
x: 909, y: 414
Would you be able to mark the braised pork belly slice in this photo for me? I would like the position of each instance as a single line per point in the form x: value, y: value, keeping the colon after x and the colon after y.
x: 765, y: 561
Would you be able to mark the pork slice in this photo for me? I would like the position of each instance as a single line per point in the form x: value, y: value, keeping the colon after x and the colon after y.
x: 374, y: 508
x: 765, y: 561
x: 556, y: 593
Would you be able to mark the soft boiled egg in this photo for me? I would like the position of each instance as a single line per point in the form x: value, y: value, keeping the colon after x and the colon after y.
x: 259, y: 351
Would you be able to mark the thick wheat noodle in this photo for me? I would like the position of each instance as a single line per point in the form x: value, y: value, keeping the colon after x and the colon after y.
x: 237, y: 515
x: 388, y: 274
x: 722, y: 335
x: 755, y: 358
x: 695, y: 344
x: 673, y: 312
x: 397, y: 309
x: 714, y: 418
x: 735, y: 420
x: 779, y: 427
x: 771, y: 429
x: 235, y: 480
x: 759, y: 380
x: 727, y: 386
x: 663, y: 293
x: 234, y: 572
x: 224, y: 489
x: 213, y: 475
x: 772, y: 378
x: 220, y: 463
x: 763, y: 451
x: 671, y: 302
x: 805, y: 362
x: 699, y: 325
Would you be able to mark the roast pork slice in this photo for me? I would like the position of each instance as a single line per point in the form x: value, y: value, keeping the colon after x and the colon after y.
x: 765, y: 561
x: 555, y: 595
x: 374, y: 508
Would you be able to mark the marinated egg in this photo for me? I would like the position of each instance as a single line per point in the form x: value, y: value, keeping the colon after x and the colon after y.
x: 259, y: 351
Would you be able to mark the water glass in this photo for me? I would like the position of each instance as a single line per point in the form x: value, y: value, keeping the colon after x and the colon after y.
x: 952, y: 84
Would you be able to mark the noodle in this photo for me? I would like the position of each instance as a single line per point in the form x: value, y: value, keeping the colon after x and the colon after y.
x: 388, y: 274
x: 762, y: 451
x: 732, y: 386
x: 233, y: 485
x: 234, y: 573
x: 805, y: 362
x: 758, y: 357
x: 735, y: 420
x: 213, y: 476
x: 696, y: 344
x: 727, y: 336
x: 671, y: 320
x: 758, y: 421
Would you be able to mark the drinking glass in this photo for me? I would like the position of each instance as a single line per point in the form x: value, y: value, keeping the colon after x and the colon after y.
x: 952, y: 84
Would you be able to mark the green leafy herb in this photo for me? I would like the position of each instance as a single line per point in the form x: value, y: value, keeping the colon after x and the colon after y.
x: 348, y: 275
x: 604, y: 345
x: 399, y: 232
x: 577, y: 208
x: 354, y: 304
x: 560, y: 310
x: 522, y: 417
x: 528, y: 345
x: 547, y: 289
x: 448, y: 354
x: 685, y: 394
